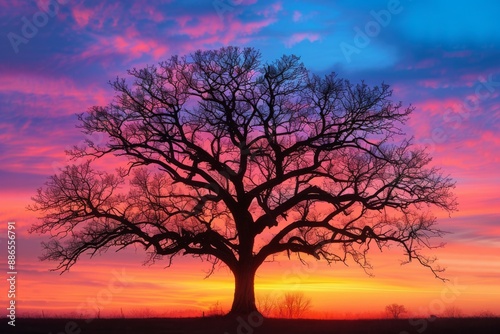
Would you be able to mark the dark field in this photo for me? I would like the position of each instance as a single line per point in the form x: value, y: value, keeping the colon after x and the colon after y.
x: 240, y: 326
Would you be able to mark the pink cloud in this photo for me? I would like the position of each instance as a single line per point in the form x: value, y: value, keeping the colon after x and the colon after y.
x: 82, y: 15
x: 200, y: 26
x: 430, y: 83
x: 131, y: 44
x: 271, y: 10
x: 299, y: 37
x: 43, y: 96
x: 210, y: 30
x: 297, y: 16
x: 144, y: 9
x: 204, y: 31
x: 491, y: 137
x: 7, y: 132
x: 238, y: 28
x: 96, y: 16
x: 231, y: 32
x: 39, y: 152
x: 433, y: 107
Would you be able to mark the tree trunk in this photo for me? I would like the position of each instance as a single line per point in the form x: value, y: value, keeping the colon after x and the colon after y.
x: 244, y: 293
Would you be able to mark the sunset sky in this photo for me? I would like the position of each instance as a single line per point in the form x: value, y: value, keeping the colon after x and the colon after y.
x: 441, y: 56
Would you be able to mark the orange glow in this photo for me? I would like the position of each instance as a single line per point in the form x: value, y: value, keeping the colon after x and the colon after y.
x: 336, y: 291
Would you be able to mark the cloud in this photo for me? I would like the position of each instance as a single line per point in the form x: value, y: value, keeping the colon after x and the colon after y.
x: 299, y: 37
x: 196, y: 27
x: 129, y: 46
x: 271, y: 10
x: 297, y: 16
x: 83, y: 15
x: 39, y: 95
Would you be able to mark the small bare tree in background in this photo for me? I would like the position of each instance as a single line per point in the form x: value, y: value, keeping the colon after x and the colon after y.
x: 215, y: 310
x: 395, y: 310
x: 293, y: 305
x: 267, y: 305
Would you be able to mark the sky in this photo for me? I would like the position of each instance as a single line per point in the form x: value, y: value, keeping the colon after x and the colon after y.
x: 440, y: 56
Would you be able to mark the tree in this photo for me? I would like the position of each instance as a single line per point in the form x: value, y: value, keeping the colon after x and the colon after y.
x: 267, y: 304
x: 287, y: 305
x: 215, y: 310
x: 395, y: 310
x: 293, y: 305
x: 235, y: 160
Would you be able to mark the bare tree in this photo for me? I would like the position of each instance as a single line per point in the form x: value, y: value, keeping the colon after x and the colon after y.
x: 215, y: 310
x: 293, y: 305
x: 235, y: 160
x: 267, y: 304
x: 395, y: 310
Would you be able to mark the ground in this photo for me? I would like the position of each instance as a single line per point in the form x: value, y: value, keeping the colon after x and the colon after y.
x: 253, y: 326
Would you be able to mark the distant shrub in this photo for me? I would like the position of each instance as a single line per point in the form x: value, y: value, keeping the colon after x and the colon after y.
x: 395, y: 310
x: 215, y: 310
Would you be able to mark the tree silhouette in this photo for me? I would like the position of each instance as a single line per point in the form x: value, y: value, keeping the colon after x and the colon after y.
x: 288, y: 305
x: 235, y: 160
x: 293, y: 305
x: 395, y: 310
x: 267, y: 304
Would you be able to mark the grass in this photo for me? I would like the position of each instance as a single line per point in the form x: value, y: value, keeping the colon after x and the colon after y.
x: 223, y: 325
